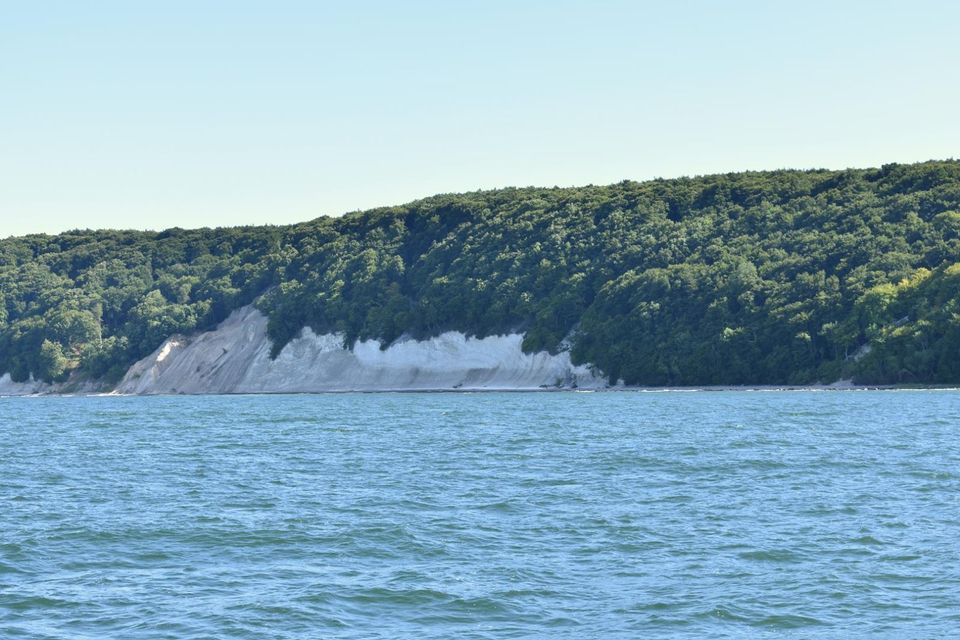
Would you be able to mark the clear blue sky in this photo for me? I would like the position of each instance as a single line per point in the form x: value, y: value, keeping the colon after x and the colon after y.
x: 135, y: 114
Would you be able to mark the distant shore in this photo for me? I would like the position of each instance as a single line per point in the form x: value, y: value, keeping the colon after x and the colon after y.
x: 618, y: 389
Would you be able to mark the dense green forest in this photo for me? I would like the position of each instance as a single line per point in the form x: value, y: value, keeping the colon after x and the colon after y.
x: 747, y: 278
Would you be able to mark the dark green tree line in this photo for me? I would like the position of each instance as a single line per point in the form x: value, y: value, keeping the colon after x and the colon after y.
x: 760, y: 277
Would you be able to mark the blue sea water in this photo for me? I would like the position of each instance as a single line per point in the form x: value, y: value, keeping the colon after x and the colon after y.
x: 493, y: 515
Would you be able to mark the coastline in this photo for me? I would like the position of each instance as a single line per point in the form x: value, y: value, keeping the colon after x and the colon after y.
x: 617, y: 389
x: 234, y: 359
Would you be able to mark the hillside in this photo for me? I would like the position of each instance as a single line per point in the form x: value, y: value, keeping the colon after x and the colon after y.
x: 750, y: 278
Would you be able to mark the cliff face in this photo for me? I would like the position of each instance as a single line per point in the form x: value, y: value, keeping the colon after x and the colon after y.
x: 234, y: 358
x: 10, y: 388
x: 35, y: 387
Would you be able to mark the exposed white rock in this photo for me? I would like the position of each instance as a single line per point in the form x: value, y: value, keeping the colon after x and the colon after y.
x: 861, y: 352
x: 235, y: 358
x: 10, y: 388
x: 37, y: 387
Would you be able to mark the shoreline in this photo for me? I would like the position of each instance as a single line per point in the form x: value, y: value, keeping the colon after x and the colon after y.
x: 234, y: 359
x: 620, y: 389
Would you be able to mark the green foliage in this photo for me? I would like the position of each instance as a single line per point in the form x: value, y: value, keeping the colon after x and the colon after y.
x: 51, y: 363
x: 761, y: 277
x: 914, y: 328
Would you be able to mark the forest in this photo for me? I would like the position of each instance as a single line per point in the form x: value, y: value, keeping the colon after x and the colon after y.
x: 777, y: 277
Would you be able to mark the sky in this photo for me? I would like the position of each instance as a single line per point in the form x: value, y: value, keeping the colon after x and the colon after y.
x: 149, y: 115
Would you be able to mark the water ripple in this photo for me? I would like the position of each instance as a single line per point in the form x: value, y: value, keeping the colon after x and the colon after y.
x: 618, y: 515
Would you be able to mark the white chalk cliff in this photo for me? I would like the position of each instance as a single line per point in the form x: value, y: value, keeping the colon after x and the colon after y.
x: 235, y: 358
x: 10, y: 388
x: 37, y: 387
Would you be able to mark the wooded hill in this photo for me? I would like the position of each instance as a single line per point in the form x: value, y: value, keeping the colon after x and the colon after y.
x: 749, y: 278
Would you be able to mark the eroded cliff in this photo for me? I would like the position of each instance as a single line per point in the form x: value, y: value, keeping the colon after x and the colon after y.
x: 235, y: 358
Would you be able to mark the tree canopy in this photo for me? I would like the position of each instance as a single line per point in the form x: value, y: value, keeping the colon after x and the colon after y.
x: 748, y: 278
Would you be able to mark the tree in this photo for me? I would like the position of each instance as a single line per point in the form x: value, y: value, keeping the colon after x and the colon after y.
x: 51, y: 363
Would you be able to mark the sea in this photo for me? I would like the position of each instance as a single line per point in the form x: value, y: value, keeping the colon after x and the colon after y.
x: 728, y: 514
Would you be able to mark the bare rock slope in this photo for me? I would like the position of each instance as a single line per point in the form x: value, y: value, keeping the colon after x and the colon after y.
x: 235, y: 358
